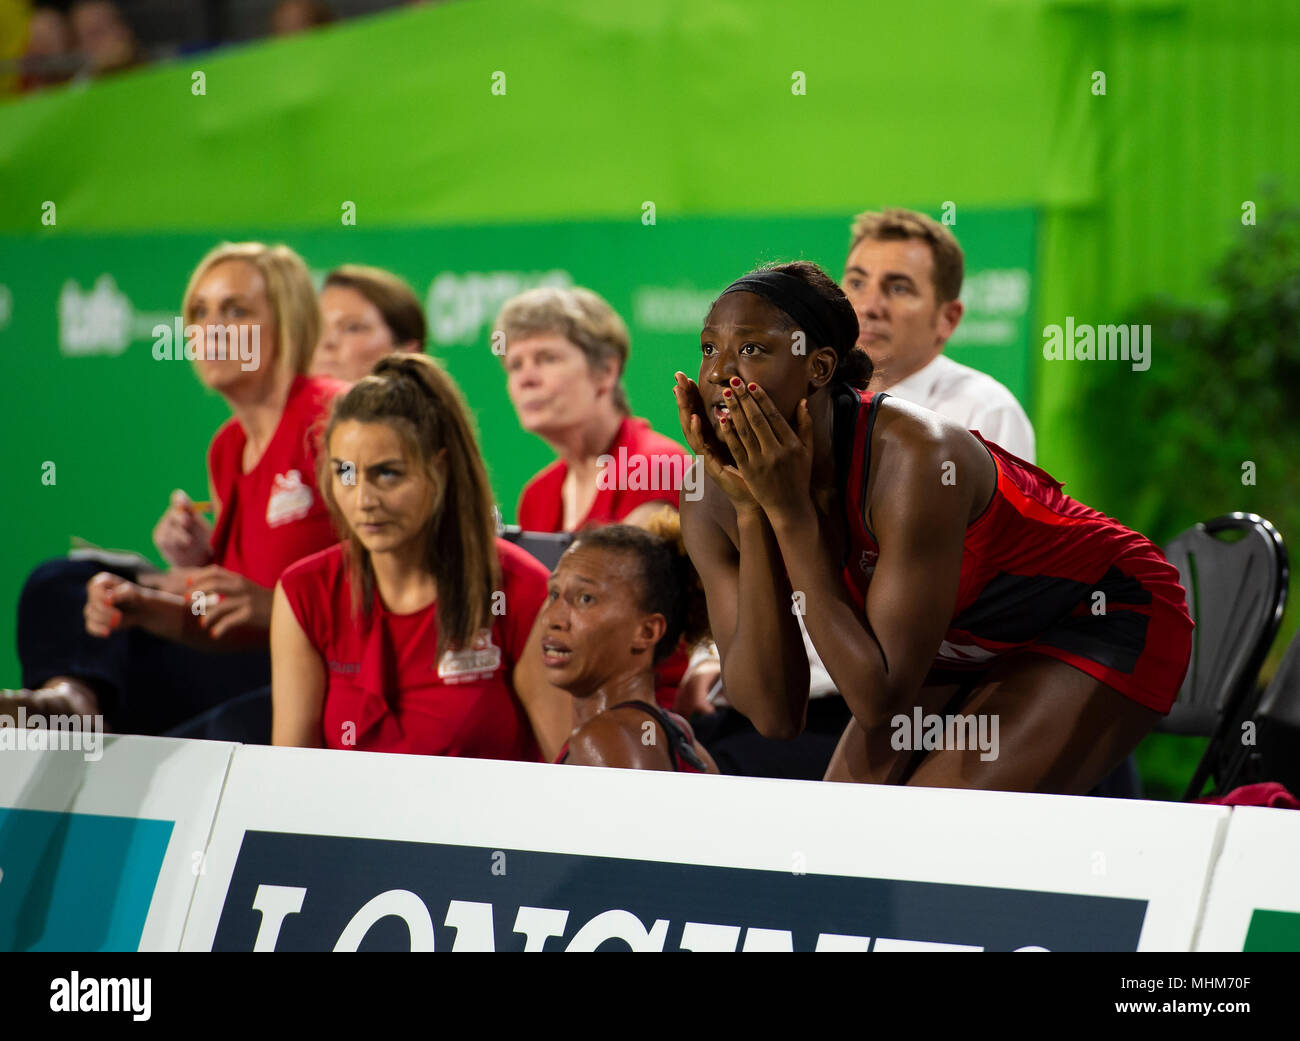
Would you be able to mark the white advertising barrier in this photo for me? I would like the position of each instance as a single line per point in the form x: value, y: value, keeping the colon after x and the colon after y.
x: 1254, y: 898
x: 101, y: 851
x: 336, y: 850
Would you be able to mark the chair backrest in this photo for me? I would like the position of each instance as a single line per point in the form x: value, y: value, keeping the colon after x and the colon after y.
x: 1274, y: 754
x: 1281, y: 700
x: 546, y: 546
x: 1236, y: 592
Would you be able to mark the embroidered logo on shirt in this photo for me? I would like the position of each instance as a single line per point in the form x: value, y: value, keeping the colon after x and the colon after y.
x: 290, y: 501
x: 478, y: 662
x: 347, y: 668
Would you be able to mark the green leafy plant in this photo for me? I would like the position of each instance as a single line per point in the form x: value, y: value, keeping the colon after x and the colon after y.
x: 1213, y: 426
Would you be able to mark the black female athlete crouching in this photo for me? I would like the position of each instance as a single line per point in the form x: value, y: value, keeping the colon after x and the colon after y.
x: 933, y: 568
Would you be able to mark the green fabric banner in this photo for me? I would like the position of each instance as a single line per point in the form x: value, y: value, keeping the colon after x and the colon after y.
x: 78, y: 316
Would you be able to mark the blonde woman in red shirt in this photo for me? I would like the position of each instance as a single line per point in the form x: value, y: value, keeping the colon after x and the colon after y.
x: 149, y: 649
x: 564, y: 352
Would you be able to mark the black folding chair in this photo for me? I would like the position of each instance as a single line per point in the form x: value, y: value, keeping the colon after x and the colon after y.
x: 546, y: 546
x: 1275, y: 754
x: 1236, y: 593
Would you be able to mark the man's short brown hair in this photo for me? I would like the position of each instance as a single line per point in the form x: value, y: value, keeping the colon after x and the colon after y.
x: 892, y: 225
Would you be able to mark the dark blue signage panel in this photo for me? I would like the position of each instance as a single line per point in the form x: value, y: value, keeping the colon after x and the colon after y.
x: 475, y: 898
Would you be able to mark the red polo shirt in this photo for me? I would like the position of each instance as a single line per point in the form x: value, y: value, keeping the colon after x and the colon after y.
x: 644, y: 467
x: 274, y: 514
x: 386, y: 689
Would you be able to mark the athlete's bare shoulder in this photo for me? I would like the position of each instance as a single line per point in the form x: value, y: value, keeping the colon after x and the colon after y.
x: 910, y: 441
x: 616, y: 739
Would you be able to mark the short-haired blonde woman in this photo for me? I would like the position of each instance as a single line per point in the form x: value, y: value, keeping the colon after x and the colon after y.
x: 565, y: 351
x: 142, y: 649
x: 368, y: 312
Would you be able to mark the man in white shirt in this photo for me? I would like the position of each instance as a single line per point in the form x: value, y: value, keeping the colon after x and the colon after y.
x: 903, y: 277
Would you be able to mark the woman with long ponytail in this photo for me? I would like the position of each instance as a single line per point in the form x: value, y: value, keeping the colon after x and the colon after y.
x: 405, y: 636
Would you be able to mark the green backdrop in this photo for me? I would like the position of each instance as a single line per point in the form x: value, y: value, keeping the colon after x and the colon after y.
x: 132, y: 427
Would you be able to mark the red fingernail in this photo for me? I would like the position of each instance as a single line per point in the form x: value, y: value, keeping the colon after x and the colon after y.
x: 726, y: 393
x: 753, y: 387
x: 735, y: 381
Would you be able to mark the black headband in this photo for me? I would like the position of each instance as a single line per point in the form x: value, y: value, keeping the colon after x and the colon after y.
x: 792, y: 295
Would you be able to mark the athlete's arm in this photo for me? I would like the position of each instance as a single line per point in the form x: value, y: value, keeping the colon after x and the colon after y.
x: 919, y: 510
x: 764, y: 663
x: 297, y: 680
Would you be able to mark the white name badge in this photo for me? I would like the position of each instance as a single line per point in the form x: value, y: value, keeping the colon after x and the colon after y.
x: 480, y: 660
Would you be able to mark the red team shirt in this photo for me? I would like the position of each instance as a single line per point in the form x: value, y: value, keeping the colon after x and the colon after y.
x: 1032, y: 564
x: 647, y: 467
x: 274, y: 514
x: 385, y: 690
x: 541, y: 505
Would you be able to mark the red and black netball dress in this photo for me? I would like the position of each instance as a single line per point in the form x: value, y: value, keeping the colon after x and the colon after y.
x: 1040, y: 573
